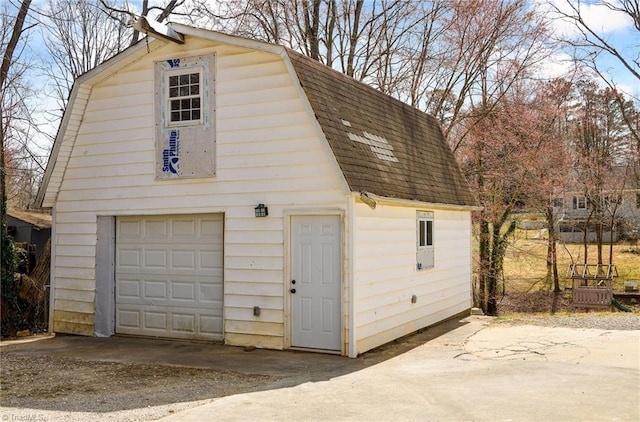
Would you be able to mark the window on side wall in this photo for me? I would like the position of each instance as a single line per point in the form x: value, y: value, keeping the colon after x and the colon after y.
x: 424, y: 240
x: 184, y: 97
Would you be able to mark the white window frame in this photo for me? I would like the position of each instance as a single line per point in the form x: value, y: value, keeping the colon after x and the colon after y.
x: 425, y: 240
x: 580, y: 203
x: 187, y: 70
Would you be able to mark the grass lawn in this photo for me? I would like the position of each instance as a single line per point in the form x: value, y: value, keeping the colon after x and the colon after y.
x: 525, y: 262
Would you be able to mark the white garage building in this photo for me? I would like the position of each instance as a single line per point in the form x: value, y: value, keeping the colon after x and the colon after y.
x: 231, y: 190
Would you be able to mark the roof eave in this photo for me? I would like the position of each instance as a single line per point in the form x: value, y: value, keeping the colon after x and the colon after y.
x: 411, y: 203
x: 219, y: 37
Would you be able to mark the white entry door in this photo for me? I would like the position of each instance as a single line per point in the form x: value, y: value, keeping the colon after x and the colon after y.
x: 315, y: 287
x: 169, y: 276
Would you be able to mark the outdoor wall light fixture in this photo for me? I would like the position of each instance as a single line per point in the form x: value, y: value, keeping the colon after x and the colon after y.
x: 261, y: 210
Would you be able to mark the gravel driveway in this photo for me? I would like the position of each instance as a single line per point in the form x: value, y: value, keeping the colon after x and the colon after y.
x: 54, y: 388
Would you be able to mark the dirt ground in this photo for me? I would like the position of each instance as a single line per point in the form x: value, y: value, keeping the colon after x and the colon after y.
x: 64, y: 384
x: 547, y: 302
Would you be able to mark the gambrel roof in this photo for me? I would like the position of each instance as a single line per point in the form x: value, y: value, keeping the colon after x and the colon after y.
x: 382, y: 146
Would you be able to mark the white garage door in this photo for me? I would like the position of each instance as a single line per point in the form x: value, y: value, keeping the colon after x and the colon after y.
x: 169, y: 276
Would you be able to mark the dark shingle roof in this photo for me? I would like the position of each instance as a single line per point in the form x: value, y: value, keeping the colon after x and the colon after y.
x: 382, y: 145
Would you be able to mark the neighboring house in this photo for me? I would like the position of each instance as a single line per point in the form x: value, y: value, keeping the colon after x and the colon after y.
x: 575, y: 209
x: 29, y: 227
x: 228, y: 189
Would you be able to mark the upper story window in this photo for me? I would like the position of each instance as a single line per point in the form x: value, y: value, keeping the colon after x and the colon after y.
x: 580, y: 203
x: 184, y: 96
x: 424, y: 240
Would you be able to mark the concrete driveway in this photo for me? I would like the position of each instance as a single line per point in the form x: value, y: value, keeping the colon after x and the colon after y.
x: 476, y: 372
x: 472, y: 369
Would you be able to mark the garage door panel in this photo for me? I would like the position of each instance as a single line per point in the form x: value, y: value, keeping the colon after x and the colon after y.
x: 154, y: 290
x: 183, y: 259
x: 155, y: 320
x: 184, y: 228
x: 210, y: 228
x: 211, y: 325
x: 129, y: 229
x: 129, y: 318
x: 209, y: 259
x: 128, y: 289
x: 129, y: 258
x: 137, y: 259
x: 155, y: 229
x: 163, y: 321
x: 164, y: 292
x: 153, y: 259
x: 210, y: 292
x: 169, y: 276
x: 185, y: 323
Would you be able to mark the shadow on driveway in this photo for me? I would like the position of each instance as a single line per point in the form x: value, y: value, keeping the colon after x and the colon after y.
x: 90, y: 374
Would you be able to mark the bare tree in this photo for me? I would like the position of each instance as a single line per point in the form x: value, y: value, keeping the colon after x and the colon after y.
x: 547, y: 129
x: 590, y: 43
x: 603, y: 148
x: 12, y: 30
x: 434, y: 55
x: 80, y: 36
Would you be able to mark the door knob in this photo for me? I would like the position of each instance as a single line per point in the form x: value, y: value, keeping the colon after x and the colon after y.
x: 293, y: 282
x: 292, y: 290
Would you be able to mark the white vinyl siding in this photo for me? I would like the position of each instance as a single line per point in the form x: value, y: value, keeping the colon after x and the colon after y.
x: 267, y: 151
x: 386, y: 277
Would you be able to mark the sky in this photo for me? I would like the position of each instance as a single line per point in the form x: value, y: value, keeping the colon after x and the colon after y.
x: 615, y: 27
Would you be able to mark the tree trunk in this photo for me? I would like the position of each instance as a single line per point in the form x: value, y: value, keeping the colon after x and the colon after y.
x: 599, y: 239
x: 483, y: 265
x: 552, y: 252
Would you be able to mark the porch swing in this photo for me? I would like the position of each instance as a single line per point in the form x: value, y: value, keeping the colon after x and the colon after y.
x: 592, y: 284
